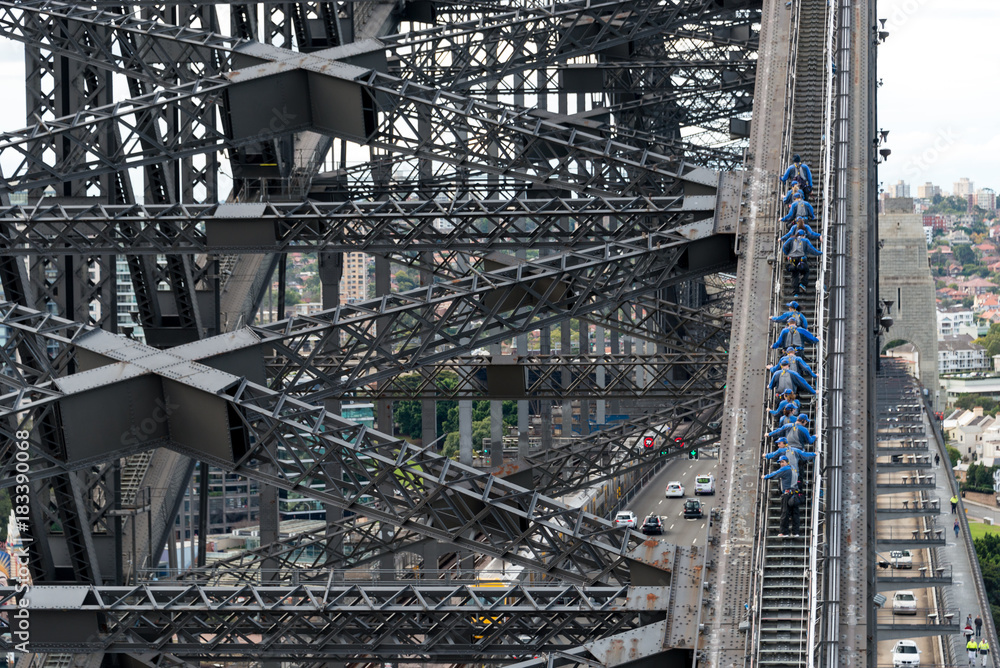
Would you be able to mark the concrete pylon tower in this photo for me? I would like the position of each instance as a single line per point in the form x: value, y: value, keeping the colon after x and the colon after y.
x: 904, y: 277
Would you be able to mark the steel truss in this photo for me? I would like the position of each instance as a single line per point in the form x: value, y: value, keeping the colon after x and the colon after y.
x: 345, y: 621
x: 305, y: 444
x: 599, y: 177
x: 378, y: 227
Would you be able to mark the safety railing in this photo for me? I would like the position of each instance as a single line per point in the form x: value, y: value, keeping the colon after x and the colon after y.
x: 977, y: 574
x: 760, y: 548
x: 295, y: 576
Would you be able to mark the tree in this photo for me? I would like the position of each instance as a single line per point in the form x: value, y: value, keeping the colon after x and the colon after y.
x: 954, y: 455
x: 292, y: 297
x: 991, y: 340
x: 964, y: 254
x: 407, y: 416
x: 970, y: 401
x: 895, y: 343
x: 979, y: 478
x: 405, y: 281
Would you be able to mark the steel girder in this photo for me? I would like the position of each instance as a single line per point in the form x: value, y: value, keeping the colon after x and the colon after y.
x: 383, y: 338
x: 529, y: 148
x: 418, y: 490
x: 540, y: 377
x: 463, y: 622
x: 278, y: 25
x: 396, y: 227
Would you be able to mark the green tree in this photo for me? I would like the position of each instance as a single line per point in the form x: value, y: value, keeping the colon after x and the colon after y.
x: 979, y: 478
x: 405, y: 280
x: 893, y: 344
x: 991, y: 340
x: 451, y: 446
x: 292, y: 297
x: 407, y: 416
x: 970, y: 401
x: 964, y: 254
x: 408, y: 413
x: 954, y: 455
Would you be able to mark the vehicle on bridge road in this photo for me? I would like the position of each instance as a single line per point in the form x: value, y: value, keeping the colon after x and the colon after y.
x: 693, y: 509
x: 653, y: 524
x: 627, y: 519
x: 905, y: 655
x: 674, y: 489
x: 901, y: 559
x: 704, y: 484
x: 904, y: 603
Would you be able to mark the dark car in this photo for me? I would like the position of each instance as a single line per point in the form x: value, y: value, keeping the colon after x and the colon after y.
x: 653, y: 524
x: 692, y: 509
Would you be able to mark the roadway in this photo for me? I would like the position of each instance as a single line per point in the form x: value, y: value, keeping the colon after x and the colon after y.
x: 651, y: 501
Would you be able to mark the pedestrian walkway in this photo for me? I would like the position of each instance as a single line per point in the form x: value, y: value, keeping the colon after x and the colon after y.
x: 963, y: 595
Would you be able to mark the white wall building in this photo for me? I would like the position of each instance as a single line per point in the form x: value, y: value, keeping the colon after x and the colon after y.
x: 954, y: 321
x: 958, y: 354
x: 967, y: 432
x: 964, y: 187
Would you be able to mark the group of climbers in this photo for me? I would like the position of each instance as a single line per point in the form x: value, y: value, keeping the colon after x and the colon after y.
x: 791, y: 376
x: 796, y: 244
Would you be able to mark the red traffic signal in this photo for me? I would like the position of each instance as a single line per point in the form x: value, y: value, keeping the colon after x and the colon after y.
x: 678, y: 441
x: 647, y: 442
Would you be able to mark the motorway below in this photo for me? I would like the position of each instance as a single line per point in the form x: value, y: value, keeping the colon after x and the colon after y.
x: 651, y: 501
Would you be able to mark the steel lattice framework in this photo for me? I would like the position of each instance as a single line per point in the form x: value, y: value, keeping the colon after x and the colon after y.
x: 542, y: 165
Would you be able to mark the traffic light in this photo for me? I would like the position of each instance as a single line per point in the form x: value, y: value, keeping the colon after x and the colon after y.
x: 693, y: 454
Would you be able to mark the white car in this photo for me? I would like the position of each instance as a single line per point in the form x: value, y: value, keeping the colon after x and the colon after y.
x: 674, y: 489
x: 901, y: 559
x: 904, y: 603
x: 626, y: 518
x: 905, y: 655
x: 704, y: 484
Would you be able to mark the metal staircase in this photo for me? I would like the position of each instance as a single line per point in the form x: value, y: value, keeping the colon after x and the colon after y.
x: 786, y: 565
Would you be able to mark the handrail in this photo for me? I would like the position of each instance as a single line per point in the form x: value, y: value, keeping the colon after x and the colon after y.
x: 816, y: 566
x: 970, y: 549
x: 775, y: 301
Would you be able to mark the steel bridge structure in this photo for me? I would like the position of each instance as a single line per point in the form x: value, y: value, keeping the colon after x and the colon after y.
x: 574, y: 172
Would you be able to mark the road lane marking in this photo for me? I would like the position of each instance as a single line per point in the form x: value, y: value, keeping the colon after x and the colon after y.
x: 694, y: 541
x: 702, y: 525
x: 671, y: 526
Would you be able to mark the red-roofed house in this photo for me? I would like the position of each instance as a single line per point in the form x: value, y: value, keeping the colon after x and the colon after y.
x: 986, y: 301
x: 976, y: 286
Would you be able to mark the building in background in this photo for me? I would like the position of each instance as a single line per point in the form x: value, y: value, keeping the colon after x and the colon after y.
x: 354, y: 282
x: 986, y: 198
x: 963, y: 187
x: 928, y: 191
x: 959, y: 354
x: 956, y: 320
x: 899, y: 189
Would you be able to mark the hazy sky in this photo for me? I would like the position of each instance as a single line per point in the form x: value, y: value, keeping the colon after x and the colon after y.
x: 939, y: 95
x: 939, y: 98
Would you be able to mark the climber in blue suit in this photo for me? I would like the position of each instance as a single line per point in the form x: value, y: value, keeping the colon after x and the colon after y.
x: 785, y: 379
x: 787, y: 399
x: 792, y: 316
x: 794, y: 337
x: 799, y: 208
